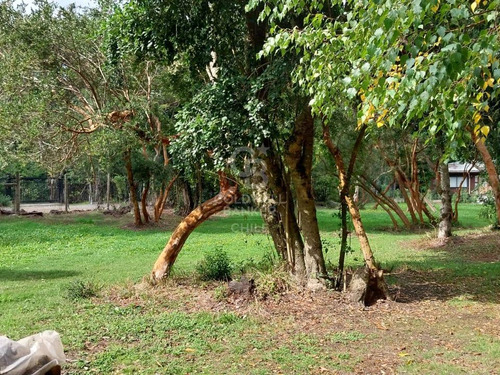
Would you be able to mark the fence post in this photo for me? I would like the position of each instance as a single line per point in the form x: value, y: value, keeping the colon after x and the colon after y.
x: 17, y: 195
x: 66, y: 201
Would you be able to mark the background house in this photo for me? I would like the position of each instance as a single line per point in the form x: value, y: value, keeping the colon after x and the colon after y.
x: 460, y: 170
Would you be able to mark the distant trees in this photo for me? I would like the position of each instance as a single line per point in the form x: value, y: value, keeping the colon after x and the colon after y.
x: 83, y: 104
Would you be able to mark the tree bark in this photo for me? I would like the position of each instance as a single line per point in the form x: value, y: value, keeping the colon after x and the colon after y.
x: 277, y: 181
x: 132, y: 188
x: 108, y: 190
x: 227, y: 196
x: 492, y: 172
x: 353, y: 209
x: 444, y: 230
x: 299, y: 160
x: 387, y: 188
x: 162, y: 199
x: 187, y: 198
x: 375, y: 286
x: 269, y: 211
x: 17, y: 194
x: 66, y: 193
x: 380, y: 201
x: 343, y: 240
x: 465, y: 176
x: 144, y: 202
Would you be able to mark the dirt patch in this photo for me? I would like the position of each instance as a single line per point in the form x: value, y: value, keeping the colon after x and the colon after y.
x: 168, y: 222
x: 474, y: 247
x: 381, y: 339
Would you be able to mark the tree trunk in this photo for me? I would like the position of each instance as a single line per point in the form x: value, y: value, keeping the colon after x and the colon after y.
x: 162, y: 199
x: 17, y: 194
x: 91, y: 196
x: 343, y: 240
x: 299, y: 159
x: 492, y: 172
x: 465, y: 176
x: 187, y: 198
x: 381, y: 196
x: 387, y: 188
x: 97, y: 192
x: 444, y: 230
x: 144, y: 202
x: 277, y: 181
x: 353, y: 209
x: 132, y: 188
x: 381, y: 203
x: 267, y: 205
x: 108, y: 190
x: 373, y: 286
x: 65, y: 192
x: 199, y: 185
x: 227, y: 196
x: 409, y: 202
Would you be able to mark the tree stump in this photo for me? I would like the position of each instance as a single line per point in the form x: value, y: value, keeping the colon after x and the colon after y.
x: 367, y: 287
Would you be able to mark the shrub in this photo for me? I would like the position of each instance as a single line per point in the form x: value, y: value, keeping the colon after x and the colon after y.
x: 5, y: 201
x: 488, y: 209
x: 220, y: 293
x: 267, y: 263
x: 273, y: 284
x: 81, y: 289
x: 214, y: 266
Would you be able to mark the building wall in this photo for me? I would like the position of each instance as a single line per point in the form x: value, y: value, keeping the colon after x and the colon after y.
x: 469, y: 184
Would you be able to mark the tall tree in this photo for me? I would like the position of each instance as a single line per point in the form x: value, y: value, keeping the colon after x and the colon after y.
x: 232, y: 111
x: 431, y: 62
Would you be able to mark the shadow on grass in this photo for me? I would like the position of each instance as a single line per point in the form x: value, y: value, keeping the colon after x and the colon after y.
x: 464, y: 268
x: 8, y: 274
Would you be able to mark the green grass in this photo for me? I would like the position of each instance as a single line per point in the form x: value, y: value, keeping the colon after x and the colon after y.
x: 41, y: 260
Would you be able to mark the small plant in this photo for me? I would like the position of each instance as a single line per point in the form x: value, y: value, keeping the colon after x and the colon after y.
x: 345, y: 337
x: 215, y: 266
x: 220, y: 293
x: 488, y: 209
x: 268, y: 261
x: 5, y: 201
x: 273, y: 283
x: 81, y: 289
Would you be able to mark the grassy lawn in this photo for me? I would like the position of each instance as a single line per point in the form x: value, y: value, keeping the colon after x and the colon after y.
x: 445, y: 320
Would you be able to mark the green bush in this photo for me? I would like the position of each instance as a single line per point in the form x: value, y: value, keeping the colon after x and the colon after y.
x: 488, y: 209
x: 215, y: 266
x: 325, y: 188
x: 81, y: 289
x: 267, y: 263
x: 5, y: 201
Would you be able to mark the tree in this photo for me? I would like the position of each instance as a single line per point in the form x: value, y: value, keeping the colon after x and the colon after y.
x: 84, y: 102
x: 428, y: 62
x: 233, y: 110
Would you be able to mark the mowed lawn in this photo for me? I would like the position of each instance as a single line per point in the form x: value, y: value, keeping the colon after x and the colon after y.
x: 445, y: 319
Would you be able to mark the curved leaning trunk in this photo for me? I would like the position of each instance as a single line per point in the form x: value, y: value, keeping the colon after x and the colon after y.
x: 227, y: 196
